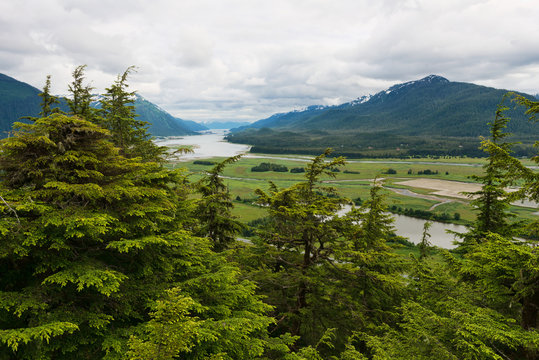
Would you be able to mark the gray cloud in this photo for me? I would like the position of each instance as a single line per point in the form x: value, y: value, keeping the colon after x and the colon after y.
x: 245, y: 59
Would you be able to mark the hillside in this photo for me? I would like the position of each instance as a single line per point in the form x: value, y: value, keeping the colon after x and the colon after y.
x: 18, y: 99
x: 428, y: 116
x: 162, y: 123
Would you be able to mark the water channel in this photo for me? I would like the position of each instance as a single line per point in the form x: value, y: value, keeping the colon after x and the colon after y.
x: 212, y: 144
x: 207, y: 145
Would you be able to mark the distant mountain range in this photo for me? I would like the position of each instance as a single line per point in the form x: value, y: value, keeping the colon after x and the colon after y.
x: 432, y: 105
x: 224, y: 124
x: 18, y: 99
x: 162, y: 123
x: 432, y: 115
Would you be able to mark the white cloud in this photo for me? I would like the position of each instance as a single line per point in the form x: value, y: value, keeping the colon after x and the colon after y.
x: 246, y: 59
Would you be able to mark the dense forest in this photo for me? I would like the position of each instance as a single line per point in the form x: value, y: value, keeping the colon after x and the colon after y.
x: 108, y: 253
x: 357, y: 144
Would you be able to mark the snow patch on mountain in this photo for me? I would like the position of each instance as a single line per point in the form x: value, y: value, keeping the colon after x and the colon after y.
x: 426, y: 80
x: 361, y: 100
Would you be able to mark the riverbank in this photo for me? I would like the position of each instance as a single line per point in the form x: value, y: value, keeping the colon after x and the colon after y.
x: 414, y: 185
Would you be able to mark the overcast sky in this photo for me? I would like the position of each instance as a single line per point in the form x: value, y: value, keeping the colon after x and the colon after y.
x: 243, y: 60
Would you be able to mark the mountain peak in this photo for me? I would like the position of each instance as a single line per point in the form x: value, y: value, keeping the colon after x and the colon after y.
x: 434, y: 78
x: 431, y: 79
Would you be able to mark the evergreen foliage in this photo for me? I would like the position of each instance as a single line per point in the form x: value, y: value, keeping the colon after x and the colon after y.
x: 48, y: 100
x: 91, y: 234
x: 214, y: 209
x: 320, y: 270
x: 118, y: 115
x: 370, y: 268
x: 425, y: 245
x: 92, y: 240
x: 492, y: 202
x: 296, y: 249
x: 81, y: 95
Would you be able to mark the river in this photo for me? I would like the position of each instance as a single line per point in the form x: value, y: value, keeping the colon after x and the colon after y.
x: 212, y: 144
x: 412, y: 229
x: 208, y: 145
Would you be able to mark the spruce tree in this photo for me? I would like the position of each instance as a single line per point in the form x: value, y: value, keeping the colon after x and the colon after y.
x: 80, y: 102
x: 296, y: 248
x: 118, y: 116
x: 86, y: 252
x: 492, y: 201
x: 507, y: 268
x: 369, y: 269
x: 425, y: 245
x: 214, y: 209
x: 48, y: 100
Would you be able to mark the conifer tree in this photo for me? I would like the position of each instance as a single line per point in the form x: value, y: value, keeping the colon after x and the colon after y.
x: 528, y: 179
x: 507, y: 268
x: 492, y: 201
x: 48, y: 100
x: 119, y: 117
x: 81, y: 95
x: 297, y: 246
x: 85, y: 253
x: 214, y: 209
x: 369, y: 268
x: 425, y: 244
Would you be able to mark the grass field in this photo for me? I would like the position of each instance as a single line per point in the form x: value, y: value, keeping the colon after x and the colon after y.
x: 242, y: 182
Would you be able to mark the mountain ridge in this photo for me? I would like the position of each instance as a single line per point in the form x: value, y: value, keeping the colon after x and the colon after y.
x: 431, y: 115
x: 19, y: 99
x: 433, y: 100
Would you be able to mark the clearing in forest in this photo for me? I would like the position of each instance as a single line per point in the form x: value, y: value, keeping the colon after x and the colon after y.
x: 443, y: 187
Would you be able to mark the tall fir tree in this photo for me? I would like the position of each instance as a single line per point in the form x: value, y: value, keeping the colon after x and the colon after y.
x: 81, y: 97
x: 492, y: 202
x: 48, y: 100
x: 295, y: 249
x: 118, y: 116
x: 370, y: 271
x: 214, y: 208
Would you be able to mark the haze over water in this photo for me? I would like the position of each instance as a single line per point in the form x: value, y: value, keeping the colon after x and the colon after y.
x: 207, y: 145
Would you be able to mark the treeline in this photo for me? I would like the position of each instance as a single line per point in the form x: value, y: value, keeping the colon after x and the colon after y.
x: 425, y: 214
x: 263, y: 167
x: 357, y: 145
x: 106, y: 253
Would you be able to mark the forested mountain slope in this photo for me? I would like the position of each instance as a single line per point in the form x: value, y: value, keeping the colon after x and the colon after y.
x: 407, y: 117
x: 18, y: 99
x: 432, y: 105
x: 162, y: 123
